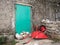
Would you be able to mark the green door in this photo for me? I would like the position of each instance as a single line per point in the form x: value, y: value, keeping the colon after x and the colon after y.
x: 23, y: 18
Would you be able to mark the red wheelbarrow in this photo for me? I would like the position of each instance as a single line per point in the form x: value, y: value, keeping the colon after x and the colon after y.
x: 38, y: 33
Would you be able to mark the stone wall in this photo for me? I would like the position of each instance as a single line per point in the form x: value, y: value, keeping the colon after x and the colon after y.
x: 6, y: 15
x: 40, y: 9
x: 53, y: 29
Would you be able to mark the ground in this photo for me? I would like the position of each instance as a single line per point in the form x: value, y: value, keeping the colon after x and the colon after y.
x: 37, y: 42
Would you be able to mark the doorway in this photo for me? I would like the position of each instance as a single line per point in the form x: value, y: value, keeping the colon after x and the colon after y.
x: 23, y: 18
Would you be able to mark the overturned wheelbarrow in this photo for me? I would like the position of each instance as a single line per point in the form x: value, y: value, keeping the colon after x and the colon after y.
x: 38, y: 33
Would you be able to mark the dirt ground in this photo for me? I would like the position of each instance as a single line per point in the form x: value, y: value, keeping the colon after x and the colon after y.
x: 37, y: 42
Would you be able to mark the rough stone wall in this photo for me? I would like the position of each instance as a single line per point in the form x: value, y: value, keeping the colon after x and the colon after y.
x: 53, y: 29
x: 6, y: 14
x: 40, y: 9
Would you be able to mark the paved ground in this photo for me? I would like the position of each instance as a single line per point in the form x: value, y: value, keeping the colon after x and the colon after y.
x: 37, y: 42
